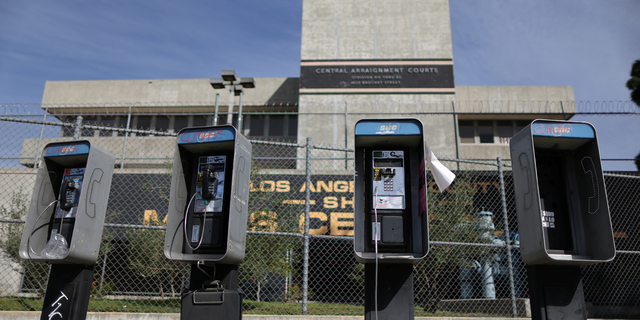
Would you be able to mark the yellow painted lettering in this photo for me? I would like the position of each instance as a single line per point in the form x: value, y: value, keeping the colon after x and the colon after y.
x: 341, y: 186
x: 315, y: 215
x: 345, y: 203
x: 283, y: 186
x: 267, y: 186
x: 341, y: 224
x: 324, y: 186
x: 330, y: 202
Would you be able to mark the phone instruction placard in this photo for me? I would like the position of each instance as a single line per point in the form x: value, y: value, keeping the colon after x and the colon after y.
x: 72, y: 195
x: 216, y: 186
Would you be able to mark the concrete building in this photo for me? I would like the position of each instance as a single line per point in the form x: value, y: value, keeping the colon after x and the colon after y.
x: 359, y: 59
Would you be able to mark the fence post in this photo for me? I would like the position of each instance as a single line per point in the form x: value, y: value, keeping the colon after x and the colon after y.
x: 307, y: 208
x: 346, y: 138
x: 455, y: 133
x: 104, y: 267
x: 77, y: 128
x: 35, y: 163
x: 126, y: 136
x: 507, y: 241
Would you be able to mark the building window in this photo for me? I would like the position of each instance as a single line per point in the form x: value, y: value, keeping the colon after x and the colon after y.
x: 272, y: 126
x: 180, y: 122
x: 107, y: 122
x: 200, y: 121
x: 489, y: 131
x: 162, y: 123
x: 276, y: 126
x: 143, y: 123
x: 467, y: 131
x: 504, y: 131
x: 89, y: 121
x: 256, y: 125
x: 485, y: 131
x: 293, y: 126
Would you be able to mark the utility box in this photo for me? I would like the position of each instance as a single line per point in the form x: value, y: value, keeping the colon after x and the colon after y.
x: 207, y: 217
x: 67, y: 210
x: 390, y: 191
x: 563, y: 212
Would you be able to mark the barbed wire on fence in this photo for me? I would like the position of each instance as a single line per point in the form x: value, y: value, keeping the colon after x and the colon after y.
x: 196, y: 107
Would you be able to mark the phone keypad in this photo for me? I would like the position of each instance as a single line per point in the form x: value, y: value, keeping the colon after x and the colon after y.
x: 388, y: 184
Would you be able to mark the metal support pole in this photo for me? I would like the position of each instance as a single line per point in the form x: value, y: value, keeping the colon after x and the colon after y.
x: 230, y: 111
x: 455, y: 133
x: 35, y: 163
x: 104, y: 268
x: 307, y: 208
x: 215, y: 112
x: 77, y: 128
x: 126, y: 136
x: 346, y: 138
x: 240, y: 113
x: 503, y: 199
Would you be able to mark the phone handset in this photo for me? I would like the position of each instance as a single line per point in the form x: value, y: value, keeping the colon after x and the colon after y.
x: 589, y: 168
x: 209, y: 176
x: 526, y: 168
x: 68, y: 194
x: 57, y: 246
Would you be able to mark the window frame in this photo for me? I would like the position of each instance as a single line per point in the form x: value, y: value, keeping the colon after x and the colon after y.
x: 497, y: 139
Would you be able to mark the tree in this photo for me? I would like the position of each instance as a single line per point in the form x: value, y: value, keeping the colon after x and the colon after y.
x: 267, y: 254
x: 146, y: 255
x: 146, y: 247
x: 451, y: 219
x: 633, y: 84
x: 34, y: 273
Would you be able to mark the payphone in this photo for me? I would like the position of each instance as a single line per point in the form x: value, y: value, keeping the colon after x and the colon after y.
x: 207, y: 217
x: 390, y: 212
x: 563, y: 212
x: 65, y: 221
x: 390, y: 221
x: 207, y: 214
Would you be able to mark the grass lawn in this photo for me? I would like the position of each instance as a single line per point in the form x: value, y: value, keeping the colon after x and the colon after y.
x: 172, y: 305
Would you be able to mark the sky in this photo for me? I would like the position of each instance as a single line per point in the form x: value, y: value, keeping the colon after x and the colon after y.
x: 587, y: 44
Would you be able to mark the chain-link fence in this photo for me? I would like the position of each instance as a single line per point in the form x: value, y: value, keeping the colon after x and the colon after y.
x: 473, y: 269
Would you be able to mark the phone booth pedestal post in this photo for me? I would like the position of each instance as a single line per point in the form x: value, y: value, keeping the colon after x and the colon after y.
x: 68, y: 291
x: 394, y: 291
x: 556, y: 292
x: 206, y: 297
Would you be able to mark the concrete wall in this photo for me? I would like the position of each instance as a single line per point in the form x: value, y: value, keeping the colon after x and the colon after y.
x: 515, y: 99
x: 375, y: 29
x: 67, y: 95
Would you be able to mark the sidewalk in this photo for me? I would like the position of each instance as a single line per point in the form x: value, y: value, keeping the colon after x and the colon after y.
x: 33, y: 315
